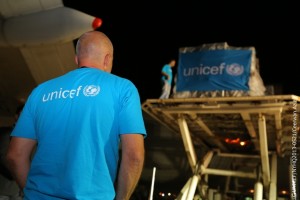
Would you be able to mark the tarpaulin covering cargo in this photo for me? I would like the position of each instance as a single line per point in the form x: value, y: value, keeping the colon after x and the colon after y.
x: 217, y: 69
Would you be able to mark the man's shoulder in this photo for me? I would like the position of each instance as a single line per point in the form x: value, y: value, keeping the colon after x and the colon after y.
x: 121, y: 79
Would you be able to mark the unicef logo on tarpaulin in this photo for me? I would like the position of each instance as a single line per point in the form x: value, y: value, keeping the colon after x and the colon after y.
x: 235, y: 69
x: 91, y: 90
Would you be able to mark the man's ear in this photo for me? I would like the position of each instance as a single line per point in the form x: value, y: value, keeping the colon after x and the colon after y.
x: 107, y: 62
x: 76, y: 60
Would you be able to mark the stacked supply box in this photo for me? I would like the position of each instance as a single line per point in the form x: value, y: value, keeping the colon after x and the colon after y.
x: 217, y: 70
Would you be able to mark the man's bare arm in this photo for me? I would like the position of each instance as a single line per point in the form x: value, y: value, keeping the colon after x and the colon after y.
x: 18, y: 158
x: 131, y: 166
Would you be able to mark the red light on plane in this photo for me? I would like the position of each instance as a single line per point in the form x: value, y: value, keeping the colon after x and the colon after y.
x: 97, y: 23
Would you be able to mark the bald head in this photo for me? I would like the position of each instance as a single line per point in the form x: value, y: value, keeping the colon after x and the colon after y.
x: 94, y: 49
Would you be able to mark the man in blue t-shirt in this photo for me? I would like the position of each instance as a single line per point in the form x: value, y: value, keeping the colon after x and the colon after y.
x: 167, y: 77
x: 77, y: 122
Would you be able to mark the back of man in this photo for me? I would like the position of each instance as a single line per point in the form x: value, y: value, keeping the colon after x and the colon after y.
x: 77, y: 121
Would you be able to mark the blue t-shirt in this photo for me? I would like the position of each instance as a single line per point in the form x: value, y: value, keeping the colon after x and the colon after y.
x: 168, y: 70
x: 77, y: 120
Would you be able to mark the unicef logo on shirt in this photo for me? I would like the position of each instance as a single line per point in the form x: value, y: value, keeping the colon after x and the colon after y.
x: 235, y: 69
x: 91, y: 90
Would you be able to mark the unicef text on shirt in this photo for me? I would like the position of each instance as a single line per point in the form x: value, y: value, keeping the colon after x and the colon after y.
x: 89, y: 90
x: 233, y: 69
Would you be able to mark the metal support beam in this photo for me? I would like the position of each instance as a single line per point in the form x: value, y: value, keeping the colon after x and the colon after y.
x: 229, y: 173
x: 247, y: 119
x: 227, y: 184
x: 250, y: 127
x: 192, y: 188
x: 225, y: 110
x: 235, y: 155
x: 187, y: 142
x: 184, y: 190
x: 258, y: 191
x: 264, y: 150
x: 278, y: 125
x: 197, y: 175
x: 273, y: 183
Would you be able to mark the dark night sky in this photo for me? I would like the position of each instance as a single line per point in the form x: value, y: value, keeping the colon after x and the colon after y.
x: 148, y: 33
